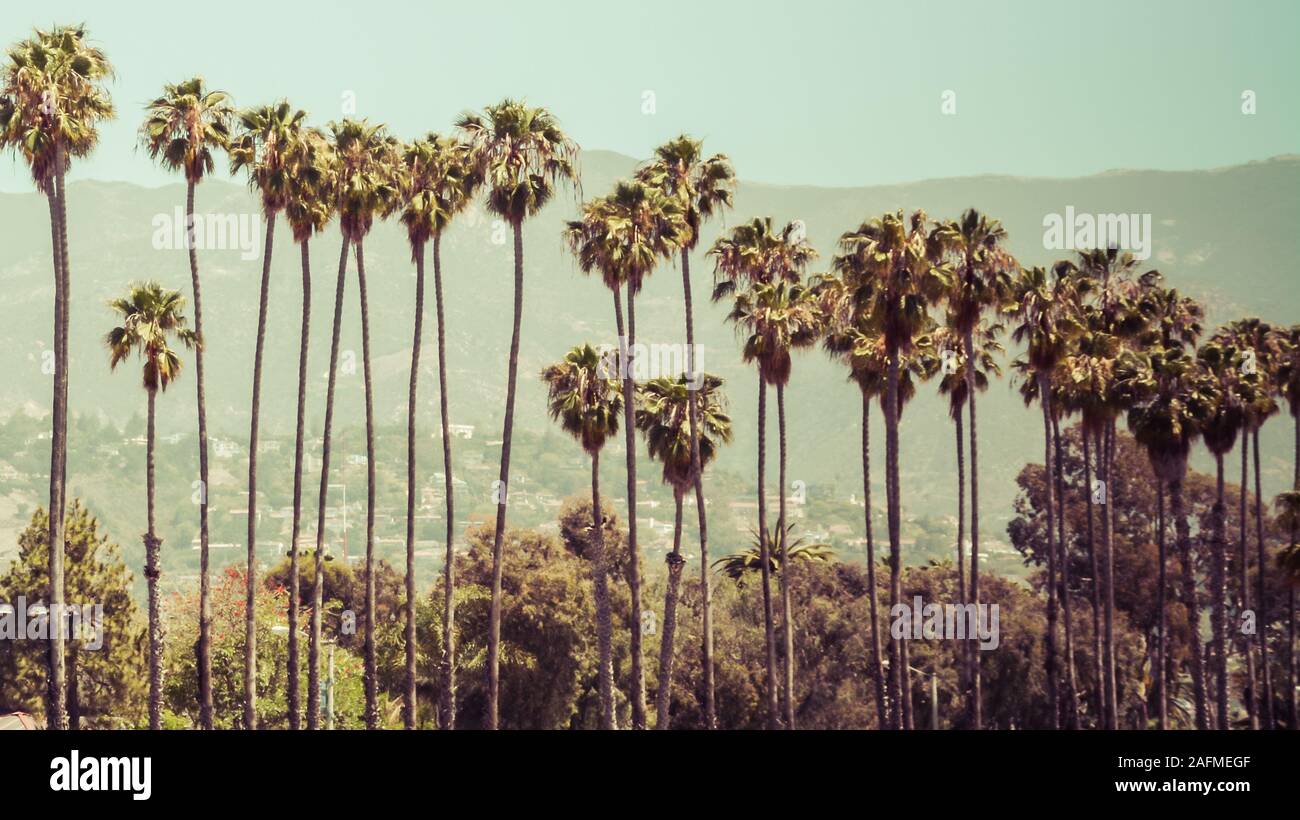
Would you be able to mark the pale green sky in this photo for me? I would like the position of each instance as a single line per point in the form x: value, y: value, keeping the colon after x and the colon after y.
x: 830, y: 93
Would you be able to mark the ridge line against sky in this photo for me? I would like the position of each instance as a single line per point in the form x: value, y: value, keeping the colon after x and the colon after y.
x: 827, y: 94
x: 235, y: 182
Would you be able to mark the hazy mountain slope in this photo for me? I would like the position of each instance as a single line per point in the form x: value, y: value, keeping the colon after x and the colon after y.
x: 1225, y: 236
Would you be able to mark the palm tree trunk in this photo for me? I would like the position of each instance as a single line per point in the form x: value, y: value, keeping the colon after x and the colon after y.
x: 897, y: 689
x: 764, y: 555
x: 318, y: 577
x: 1218, y: 581
x: 1261, y: 628
x: 1105, y: 447
x: 1071, y: 679
x: 56, y: 694
x: 371, y: 671
x: 1162, y: 684
x: 503, y: 483
x: 447, y: 714
x: 1291, y: 622
x: 295, y: 699
x: 626, y: 341
x: 961, y: 505
x: 664, y: 697
x: 205, y: 587
x: 604, y: 622
x: 706, y: 581
x: 151, y: 572
x: 1098, y: 675
x: 1244, y: 587
x: 1049, y: 473
x: 74, y: 690
x: 409, y: 698
x: 1197, y: 660
x: 969, y: 344
x: 787, y: 611
x: 877, y: 664
x: 963, y: 648
x: 250, y: 579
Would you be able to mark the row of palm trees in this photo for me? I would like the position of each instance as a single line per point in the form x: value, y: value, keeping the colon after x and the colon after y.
x: 905, y: 299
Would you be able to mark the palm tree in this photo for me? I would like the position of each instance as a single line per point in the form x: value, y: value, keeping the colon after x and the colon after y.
x: 974, y: 247
x: 1171, y: 319
x: 777, y: 317
x: 367, y: 158
x: 522, y: 154
x: 264, y: 148
x: 308, y: 209
x: 1257, y: 341
x: 151, y: 316
x: 1288, y: 384
x: 1171, y: 399
x: 949, y: 342
x: 437, y: 182
x: 740, y: 565
x: 1038, y: 304
x: 850, y: 337
x: 705, y: 187
x: 183, y: 130
x: 586, y: 402
x: 51, y: 101
x: 888, y: 264
x: 1107, y: 275
x: 754, y: 254
x: 1222, y: 361
x: 664, y: 416
x: 624, y: 235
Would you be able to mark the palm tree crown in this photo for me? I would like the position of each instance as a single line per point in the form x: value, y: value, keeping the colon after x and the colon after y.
x: 150, y: 315
x: 522, y: 153
x: 663, y: 415
x: 185, y: 125
x: 583, y: 398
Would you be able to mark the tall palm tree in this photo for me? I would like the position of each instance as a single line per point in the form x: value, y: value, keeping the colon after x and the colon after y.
x: 1172, y: 397
x: 437, y: 182
x: 587, y: 403
x: 308, y: 208
x: 624, y: 235
x: 775, y: 318
x: 51, y: 102
x: 1044, y: 328
x: 754, y: 254
x: 367, y: 188
x: 263, y: 147
x: 1257, y: 341
x: 151, y: 316
x: 522, y: 154
x: 888, y: 264
x: 1288, y: 384
x: 1107, y: 280
x: 184, y: 128
x: 974, y: 247
x: 949, y: 342
x: 849, y: 336
x: 1171, y: 320
x: 1221, y: 361
x: 705, y: 187
x: 664, y: 415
